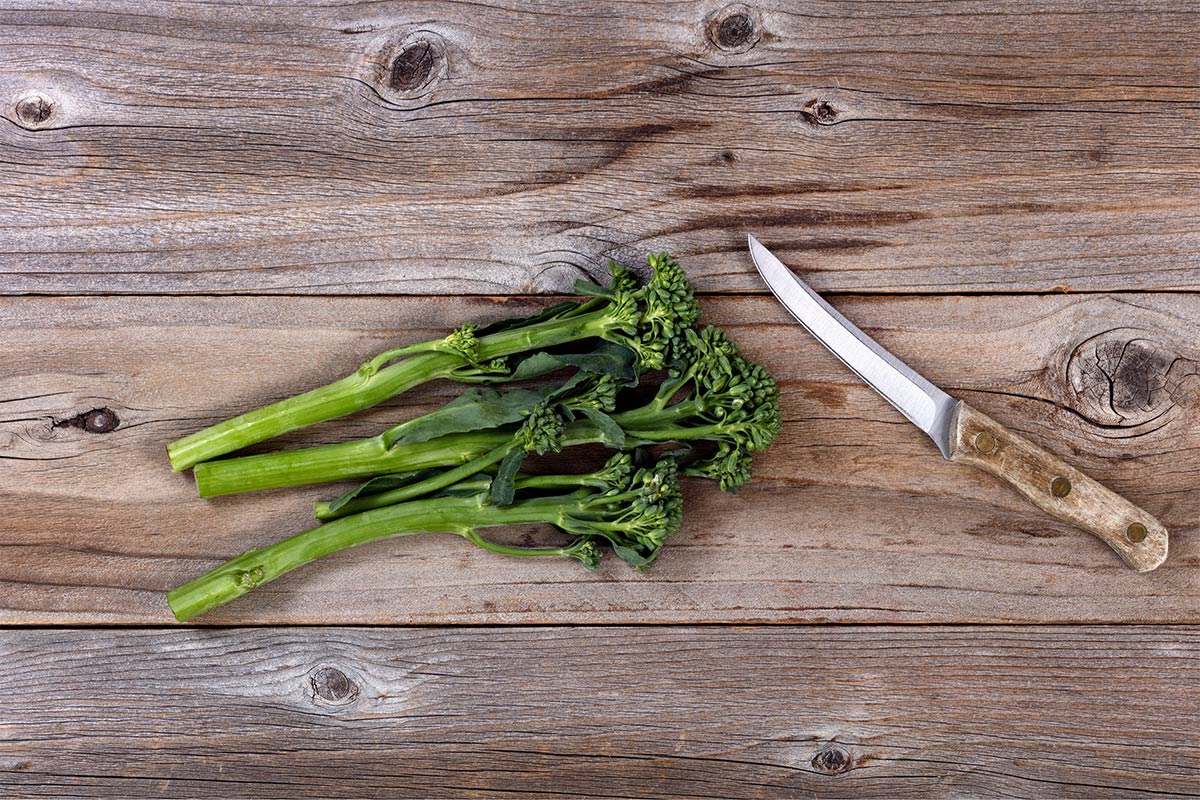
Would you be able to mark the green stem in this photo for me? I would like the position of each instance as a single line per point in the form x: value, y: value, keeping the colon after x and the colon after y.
x: 334, y: 462
x: 363, y: 458
x: 414, y: 490
x: 651, y: 415
x: 370, y: 386
x: 673, y: 433
x: 510, y: 550
x: 352, y: 393
x: 366, y: 458
x: 323, y: 511
x: 252, y: 569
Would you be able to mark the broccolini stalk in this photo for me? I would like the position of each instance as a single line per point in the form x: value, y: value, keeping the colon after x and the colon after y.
x: 390, y: 489
x: 645, y: 319
x: 711, y: 394
x: 480, y: 438
x: 634, y: 511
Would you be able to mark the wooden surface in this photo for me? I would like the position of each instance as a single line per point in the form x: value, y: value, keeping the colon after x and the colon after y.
x: 449, y: 146
x: 649, y: 712
x: 853, y: 516
x: 1008, y: 195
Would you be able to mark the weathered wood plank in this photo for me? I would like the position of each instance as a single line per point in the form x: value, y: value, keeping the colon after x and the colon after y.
x: 511, y: 147
x: 852, y: 516
x: 614, y: 712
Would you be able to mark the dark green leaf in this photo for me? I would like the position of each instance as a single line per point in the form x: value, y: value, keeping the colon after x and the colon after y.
x: 474, y: 410
x: 606, y: 358
x: 611, y: 433
x: 631, y: 556
x: 383, y: 483
x: 504, y: 484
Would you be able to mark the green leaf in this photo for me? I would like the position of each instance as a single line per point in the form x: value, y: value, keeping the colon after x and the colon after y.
x: 382, y: 483
x: 504, y: 484
x: 606, y: 358
x: 611, y: 433
x: 473, y: 410
x: 631, y: 556
x: 586, y: 287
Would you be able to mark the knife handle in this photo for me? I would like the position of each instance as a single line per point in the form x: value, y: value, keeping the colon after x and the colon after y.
x: 1058, y: 488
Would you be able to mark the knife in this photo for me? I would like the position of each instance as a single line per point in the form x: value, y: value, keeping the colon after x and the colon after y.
x: 965, y: 435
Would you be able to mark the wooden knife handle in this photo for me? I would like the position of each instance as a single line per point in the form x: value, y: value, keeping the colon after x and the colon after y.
x: 1058, y: 488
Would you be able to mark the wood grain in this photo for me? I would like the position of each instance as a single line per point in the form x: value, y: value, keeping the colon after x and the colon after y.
x: 1059, y: 489
x: 644, y: 712
x: 449, y: 147
x: 852, y: 516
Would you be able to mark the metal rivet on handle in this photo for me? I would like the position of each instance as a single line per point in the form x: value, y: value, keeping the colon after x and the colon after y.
x: 1136, y: 532
x: 985, y: 442
x: 1060, y: 487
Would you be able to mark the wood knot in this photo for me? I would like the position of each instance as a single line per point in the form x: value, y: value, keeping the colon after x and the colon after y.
x: 98, y: 420
x: 832, y: 759
x: 34, y: 111
x: 408, y: 70
x: 819, y: 112
x: 1124, y: 378
x: 331, y: 685
x: 413, y: 66
x: 734, y: 28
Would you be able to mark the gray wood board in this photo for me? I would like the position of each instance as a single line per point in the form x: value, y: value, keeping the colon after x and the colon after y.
x: 852, y: 516
x: 452, y: 147
x: 613, y: 712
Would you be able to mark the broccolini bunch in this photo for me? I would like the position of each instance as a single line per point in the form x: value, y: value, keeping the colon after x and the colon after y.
x: 459, y: 469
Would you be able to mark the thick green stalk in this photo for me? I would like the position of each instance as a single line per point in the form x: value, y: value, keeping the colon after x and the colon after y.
x: 372, y: 384
x: 458, y: 515
x: 334, y: 462
x: 352, y: 393
x: 366, y: 458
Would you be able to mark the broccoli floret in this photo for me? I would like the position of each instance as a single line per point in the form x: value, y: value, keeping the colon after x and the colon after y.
x: 542, y: 431
x: 717, y: 395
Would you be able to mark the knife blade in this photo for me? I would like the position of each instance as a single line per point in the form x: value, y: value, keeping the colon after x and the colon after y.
x: 963, y: 434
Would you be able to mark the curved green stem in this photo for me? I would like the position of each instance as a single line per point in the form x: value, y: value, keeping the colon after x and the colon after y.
x: 324, y: 511
x: 510, y: 550
x: 252, y: 569
x: 355, y: 392
x: 414, y: 490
